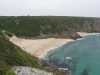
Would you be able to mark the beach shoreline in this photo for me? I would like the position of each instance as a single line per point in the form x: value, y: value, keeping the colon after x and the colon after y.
x: 68, y: 40
x: 46, y: 51
x: 83, y: 33
x: 40, y: 47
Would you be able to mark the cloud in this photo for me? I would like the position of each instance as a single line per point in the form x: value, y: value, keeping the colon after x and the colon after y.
x: 50, y: 7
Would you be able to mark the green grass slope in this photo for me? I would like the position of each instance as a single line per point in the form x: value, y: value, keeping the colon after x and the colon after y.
x: 12, y: 55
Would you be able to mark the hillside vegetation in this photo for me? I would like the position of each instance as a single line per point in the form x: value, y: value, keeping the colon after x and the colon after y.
x: 49, y: 26
x: 12, y: 55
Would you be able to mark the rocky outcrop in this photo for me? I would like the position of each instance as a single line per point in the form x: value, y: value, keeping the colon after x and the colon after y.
x: 20, y: 70
x: 51, y: 68
x: 64, y: 35
x: 59, y: 30
x: 89, y: 26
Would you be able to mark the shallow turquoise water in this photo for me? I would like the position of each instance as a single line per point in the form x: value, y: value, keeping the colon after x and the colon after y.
x: 82, y: 57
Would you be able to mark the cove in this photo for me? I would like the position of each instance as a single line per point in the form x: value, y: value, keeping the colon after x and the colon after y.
x: 82, y: 56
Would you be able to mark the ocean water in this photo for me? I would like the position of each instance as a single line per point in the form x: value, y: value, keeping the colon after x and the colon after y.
x: 82, y: 56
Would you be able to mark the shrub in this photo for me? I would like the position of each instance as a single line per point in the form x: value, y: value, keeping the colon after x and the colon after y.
x: 9, y: 34
x: 10, y: 73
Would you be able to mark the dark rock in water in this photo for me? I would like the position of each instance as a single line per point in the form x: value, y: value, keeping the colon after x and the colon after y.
x: 85, y: 72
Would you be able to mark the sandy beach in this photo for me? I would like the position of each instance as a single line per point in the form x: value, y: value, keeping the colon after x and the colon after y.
x: 39, y: 46
x: 83, y: 33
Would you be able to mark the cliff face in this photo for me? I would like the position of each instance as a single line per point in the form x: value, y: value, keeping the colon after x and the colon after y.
x: 64, y: 34
x: 68, y: 30
x: 89, y: 26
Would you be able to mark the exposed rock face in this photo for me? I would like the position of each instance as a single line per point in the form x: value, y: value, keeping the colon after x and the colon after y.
x: 89, y: 26
x: 64, y: 34
x: 51, y: 68
x: 64, y: 31
x: 19, y: 70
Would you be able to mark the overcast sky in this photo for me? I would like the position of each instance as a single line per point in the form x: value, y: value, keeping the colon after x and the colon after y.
x: 88, y: 8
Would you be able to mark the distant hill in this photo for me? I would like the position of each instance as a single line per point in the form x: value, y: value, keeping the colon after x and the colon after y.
x: 49, y: 26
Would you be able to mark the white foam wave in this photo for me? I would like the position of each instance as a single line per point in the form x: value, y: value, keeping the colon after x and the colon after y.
x: 79, y: 39
x: 66, y: 69
x: 90, y: 34
x: 63, y: 68
x: 45, y: 53
x: 68, y: 58
x: 87, y: 35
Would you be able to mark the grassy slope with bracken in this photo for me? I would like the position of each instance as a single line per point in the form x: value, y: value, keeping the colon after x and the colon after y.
x: 12, y: 55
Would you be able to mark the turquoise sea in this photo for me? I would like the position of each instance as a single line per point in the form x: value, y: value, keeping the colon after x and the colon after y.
x: 82, y: 56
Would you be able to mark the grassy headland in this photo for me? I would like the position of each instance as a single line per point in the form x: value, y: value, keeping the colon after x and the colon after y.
x: 48, y: 26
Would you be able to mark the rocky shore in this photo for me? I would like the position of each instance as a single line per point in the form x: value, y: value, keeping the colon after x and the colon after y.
x: 20, y: 70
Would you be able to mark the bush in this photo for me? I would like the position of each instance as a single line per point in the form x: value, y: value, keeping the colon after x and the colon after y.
x: 9, y: 34
x: 3, y: 71
x: 10, y: 73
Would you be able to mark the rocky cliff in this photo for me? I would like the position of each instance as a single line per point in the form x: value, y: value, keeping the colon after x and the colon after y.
x: 70, y: 28
x: 22, y: 70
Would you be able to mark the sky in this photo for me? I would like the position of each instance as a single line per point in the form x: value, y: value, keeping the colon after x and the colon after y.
x: 86, y: 8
